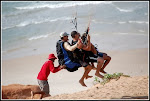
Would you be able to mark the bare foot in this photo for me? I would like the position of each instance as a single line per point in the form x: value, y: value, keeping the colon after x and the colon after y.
x: 88, y: 77
x: 103, y: 71
x: 82, y: 83
x: 99, y: 75
x: 32, y: 94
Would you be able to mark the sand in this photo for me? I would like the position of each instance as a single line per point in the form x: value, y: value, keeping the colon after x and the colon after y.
x: 124, y: 88
x: 130, y: 62
x: 18, y: 91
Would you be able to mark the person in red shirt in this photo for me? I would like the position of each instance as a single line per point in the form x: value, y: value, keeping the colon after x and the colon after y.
x: 43, y: 75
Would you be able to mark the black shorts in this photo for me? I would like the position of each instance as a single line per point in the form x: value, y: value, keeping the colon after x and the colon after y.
x: 84, y: 64
x: 93, y: 58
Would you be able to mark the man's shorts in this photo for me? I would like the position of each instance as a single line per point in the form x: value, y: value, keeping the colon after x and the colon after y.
x: 84, y: 64
x: 93, y: 58
x: 100, y: 54
x: 44, y: 86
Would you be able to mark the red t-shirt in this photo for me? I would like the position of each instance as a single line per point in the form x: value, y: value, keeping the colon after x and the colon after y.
x: 45, y: 70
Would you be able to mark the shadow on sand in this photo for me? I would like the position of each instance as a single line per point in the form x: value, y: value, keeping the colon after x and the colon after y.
x: 133, y: 97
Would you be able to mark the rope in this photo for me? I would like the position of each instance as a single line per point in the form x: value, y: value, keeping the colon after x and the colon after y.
x: 74, y: 21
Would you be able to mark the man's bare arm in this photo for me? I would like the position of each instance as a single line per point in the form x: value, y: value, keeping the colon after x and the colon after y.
x: 70, y: 48
x: 88, y: 46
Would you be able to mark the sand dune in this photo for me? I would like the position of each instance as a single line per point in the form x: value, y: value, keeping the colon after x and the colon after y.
x: 124, y: 88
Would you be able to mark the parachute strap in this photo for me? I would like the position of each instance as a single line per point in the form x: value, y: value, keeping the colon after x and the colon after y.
x: 74, y: 21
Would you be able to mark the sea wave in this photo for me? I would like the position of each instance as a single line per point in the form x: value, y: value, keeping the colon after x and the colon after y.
x: 141, y: 31
x: 60, y: 5
x: 121, y: 22
x: 42, y: 21
x: 139, y: 22
x: 26, y: 23
x: 132, y: 22
x: 4, y: 28
x: 123, y: 33
x: 124, y: 10
x: 101, y: 22
x: 38, y: 37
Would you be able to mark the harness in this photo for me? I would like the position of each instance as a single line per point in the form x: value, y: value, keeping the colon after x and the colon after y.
x: 67, y: 60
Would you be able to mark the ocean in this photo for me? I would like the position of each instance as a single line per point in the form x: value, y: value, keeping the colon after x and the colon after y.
x: 33, y: 27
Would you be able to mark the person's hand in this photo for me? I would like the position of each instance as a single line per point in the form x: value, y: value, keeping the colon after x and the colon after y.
x: 88, y: 37
x: 88, y: 29
x: 79, y: 40
x: 62, y: 66
x: 79, y: 44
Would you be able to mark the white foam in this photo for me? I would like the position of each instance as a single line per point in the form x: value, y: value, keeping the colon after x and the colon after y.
x: 124, y: 10
x: 122, y: 22
x: 7, y: 27
x: 123, y: 33
x: 25, y: 23
x: 141, y: 31
x: 38, y: 37
x: 61, y: 18
x: 95, y: 21
x: 139, y: 22
x: 60, y: 5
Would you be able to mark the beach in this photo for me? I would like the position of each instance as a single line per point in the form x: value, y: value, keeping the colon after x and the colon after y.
x: 25, y: 70
x: 124, y: 88
x: 30, y: 31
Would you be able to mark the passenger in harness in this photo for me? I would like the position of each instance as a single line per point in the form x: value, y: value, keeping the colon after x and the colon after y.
x: 84, y: 52
x: 94, y: 54
x: 65, y: 56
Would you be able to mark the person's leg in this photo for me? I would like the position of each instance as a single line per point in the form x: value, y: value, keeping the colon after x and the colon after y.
x: 44, y: 86
x: 87, y: 75
x: 87, y: 70
x: 93, y: 67
x: 100, y: 62
x: 38, y: 92
x: 46, y: 89
x: 85, y: 64
x: 41, y: 85
x: 93, y: 49
x: 107, y: 60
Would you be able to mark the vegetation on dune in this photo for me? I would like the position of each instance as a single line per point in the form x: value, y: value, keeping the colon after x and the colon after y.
x: 108, y: 77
